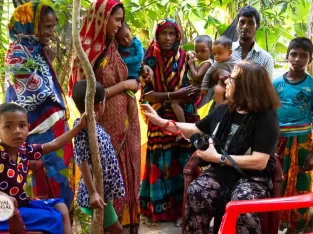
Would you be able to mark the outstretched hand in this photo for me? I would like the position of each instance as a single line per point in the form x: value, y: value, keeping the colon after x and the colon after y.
x: 188, y: 94
x: 151, y: 114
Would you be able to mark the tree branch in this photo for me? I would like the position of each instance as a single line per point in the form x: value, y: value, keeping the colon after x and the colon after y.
x: 141, y: 8
x: 97, y: 221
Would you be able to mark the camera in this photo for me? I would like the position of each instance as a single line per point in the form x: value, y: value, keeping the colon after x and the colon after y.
x: 201, y: 143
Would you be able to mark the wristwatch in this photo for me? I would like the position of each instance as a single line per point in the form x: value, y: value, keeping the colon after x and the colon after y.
x: 222, y: 161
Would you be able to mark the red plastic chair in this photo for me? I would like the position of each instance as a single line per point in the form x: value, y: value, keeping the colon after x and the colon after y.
x: 16, y: 224
x: 235, y: 208
x: 269, y: 220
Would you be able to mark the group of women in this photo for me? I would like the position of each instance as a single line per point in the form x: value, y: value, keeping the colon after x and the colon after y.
x: 33, y: 83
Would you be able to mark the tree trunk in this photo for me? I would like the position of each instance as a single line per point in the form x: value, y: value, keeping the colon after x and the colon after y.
x: 310, y: 21
x: 2, y: 75
x: 97, y: 221
x: 66, y: 66
x: 309, y: 33
x: 180, y: 25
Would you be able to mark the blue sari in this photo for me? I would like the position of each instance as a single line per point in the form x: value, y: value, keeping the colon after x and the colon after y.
x: 32, y: 83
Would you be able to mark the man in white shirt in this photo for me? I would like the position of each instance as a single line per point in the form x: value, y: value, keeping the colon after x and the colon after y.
x: 246, y: 48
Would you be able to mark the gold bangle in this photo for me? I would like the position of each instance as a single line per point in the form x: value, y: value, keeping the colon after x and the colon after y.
x: 107, y: 92
x: 168, y: 95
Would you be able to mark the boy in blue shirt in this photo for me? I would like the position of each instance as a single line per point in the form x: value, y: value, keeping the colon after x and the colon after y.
x: 295, y: 91
x: 132, y: 53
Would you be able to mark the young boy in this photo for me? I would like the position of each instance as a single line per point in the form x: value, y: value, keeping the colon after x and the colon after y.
x: 87, y: 197
x: 132, y: 53
x: 295, y: 90
x: 199, y: 62
x: 222, y: 51
x: 14, y: 165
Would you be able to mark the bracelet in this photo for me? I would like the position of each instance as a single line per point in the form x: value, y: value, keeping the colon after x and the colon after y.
x: 178, y: 132
x: 168, y: 95
x: 107, y: 92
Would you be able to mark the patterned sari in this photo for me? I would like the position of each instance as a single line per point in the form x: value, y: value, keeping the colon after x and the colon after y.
x: 32, y: 83
x: 162, y: 187
x: 292, y: 152
x: 123, y: 129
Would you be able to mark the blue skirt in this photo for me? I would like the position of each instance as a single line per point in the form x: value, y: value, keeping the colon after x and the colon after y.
x: 40, y: 215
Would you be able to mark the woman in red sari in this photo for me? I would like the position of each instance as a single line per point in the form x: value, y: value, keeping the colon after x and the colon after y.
x: 162, y: 187
x: 100, y: 24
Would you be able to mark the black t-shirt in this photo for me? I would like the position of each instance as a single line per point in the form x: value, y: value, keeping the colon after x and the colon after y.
x: 265, y: 135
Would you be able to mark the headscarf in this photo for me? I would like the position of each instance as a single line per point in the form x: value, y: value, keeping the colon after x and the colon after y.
x: 93, y: 36
x: 31, y: 80
x: 25, y: 20
x: 172, y: 77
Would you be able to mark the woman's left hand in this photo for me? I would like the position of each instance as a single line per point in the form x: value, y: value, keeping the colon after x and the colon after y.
x: 209, y: 155
x: 308, y: 162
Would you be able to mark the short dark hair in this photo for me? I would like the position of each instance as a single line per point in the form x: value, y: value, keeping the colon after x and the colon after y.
x: 224, y: 41
x: 79, y: 93
x: 301, y: 42
x: 11, y: 107
x: 254, y: 91
x: 249, y: 11
x: 205, y: 39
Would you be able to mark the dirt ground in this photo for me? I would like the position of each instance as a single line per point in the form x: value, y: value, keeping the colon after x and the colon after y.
x: 149, y: 227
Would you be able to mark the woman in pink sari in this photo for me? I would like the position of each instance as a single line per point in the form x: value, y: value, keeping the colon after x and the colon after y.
x: 100, y: 24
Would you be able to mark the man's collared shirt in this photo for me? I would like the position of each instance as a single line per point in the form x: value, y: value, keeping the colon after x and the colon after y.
x: 257, y: 55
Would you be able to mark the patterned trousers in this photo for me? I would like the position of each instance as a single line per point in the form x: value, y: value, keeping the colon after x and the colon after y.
x: 202, y: 195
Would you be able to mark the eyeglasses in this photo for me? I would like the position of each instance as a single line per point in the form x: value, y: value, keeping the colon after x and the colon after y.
x: 231, y: 79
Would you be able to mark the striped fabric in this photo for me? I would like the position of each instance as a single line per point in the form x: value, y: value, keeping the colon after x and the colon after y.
x: 162, y: 187
x: 296, y: 130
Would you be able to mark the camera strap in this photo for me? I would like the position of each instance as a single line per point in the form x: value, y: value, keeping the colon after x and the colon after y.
x: 234, y: 164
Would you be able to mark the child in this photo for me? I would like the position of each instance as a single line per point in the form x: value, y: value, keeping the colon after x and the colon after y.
x: 295, y: 90
x: 199, y: 62
x: 87, y: 197
x: 132, y: 53
x: 14, y: 165
x: 222, y: 51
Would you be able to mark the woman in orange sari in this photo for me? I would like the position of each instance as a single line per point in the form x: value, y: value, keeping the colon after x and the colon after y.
x: 100, y: 24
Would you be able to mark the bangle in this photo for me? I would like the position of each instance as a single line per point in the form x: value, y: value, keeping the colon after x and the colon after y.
x: 178, y: 132
x: 107, y: 92
x: 168, y: 95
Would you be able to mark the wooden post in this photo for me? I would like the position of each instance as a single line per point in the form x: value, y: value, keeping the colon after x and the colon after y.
x: 97, y: 221
x: 309, y: 32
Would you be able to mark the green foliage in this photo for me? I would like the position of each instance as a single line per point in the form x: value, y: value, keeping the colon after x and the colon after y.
x: 83, y: 219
